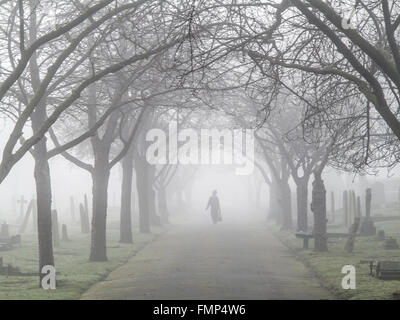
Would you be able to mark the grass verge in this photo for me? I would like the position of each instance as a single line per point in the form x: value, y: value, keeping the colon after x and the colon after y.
x: 75, y: 274
x: 327, y: 266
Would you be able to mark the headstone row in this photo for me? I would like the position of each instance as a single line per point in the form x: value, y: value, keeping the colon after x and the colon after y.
x: 83, y: 214
x: 351, y: 207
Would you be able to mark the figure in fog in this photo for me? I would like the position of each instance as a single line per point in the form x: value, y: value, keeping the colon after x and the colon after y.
x: 213, y: 203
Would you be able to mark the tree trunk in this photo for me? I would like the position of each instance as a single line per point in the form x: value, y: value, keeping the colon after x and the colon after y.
x: 302, y: 205
x: 100, y: 176
x: 318, y: 207
x: 42, y: 169
x: 126, y: 199
x: 285, y: 201
x: 142, y: 190
x: 43, y: 195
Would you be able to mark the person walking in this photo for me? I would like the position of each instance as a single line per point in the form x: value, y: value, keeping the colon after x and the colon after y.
x: 213, y: 204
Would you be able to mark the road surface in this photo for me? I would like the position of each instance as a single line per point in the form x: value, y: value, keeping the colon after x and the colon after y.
x: 236, y: 259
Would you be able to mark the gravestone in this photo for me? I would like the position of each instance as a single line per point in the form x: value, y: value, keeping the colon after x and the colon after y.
x: 84, y: 219
x: 15, y: 240
x: 64, y: 233
x: 349, y: 246
x: 353, y: 207
x: 22, y: 203
x: 318, y: 207
x: 55, y: 228
x: 359, y: 207
x: 391, y: 244
x: 4, y: 231
x: 72, y: 203
x: 379, y: 199
x: 381, y: 235
x: 345, y: 209
x: 368, y: 200
x: 367, y: 225
x: 350, y: 207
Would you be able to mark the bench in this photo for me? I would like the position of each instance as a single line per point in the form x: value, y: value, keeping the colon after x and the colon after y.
x: 384, y: 218
x: 9, y: 270
x: 388, y: 270
x: 372, y: 265
x: 306, y: 236
x: 384, y: 270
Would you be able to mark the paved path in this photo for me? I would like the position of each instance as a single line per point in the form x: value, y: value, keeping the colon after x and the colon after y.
x: 198, y: 260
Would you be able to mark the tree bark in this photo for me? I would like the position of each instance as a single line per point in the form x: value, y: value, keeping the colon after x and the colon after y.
x: 285, y: 201
x: 302, y: 205
x: 43, y: 195
x: 100, y: 176
x: 42, y: 169
x: 318, y: 207
x: 142, y: 190
x: 126, y: 199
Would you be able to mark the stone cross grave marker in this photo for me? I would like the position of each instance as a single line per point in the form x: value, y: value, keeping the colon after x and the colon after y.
x: 22, y: 203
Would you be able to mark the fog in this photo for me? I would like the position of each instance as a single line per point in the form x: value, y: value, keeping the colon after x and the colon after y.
x: 199, y: 150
